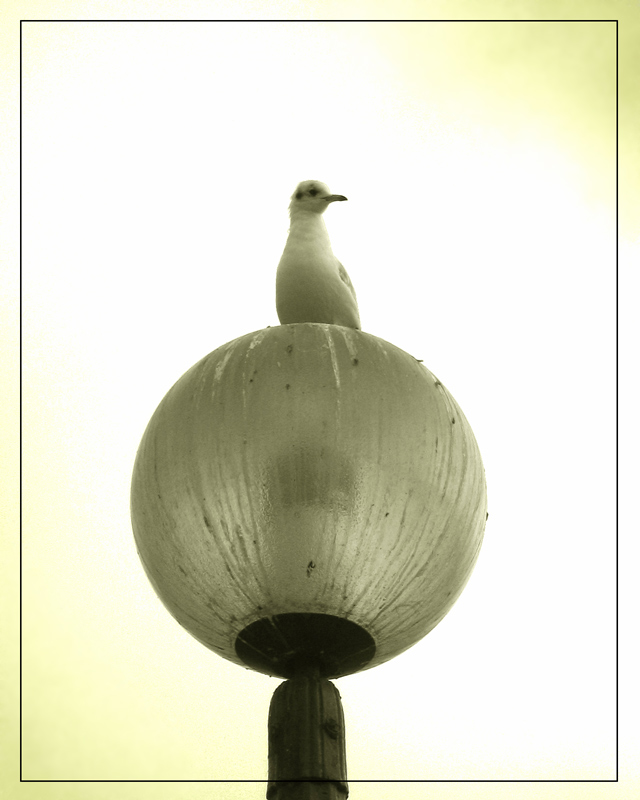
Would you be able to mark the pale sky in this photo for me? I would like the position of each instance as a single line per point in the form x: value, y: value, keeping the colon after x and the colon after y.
x: 479, y: 162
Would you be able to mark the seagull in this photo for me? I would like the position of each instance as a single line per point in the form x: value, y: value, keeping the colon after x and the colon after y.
x: 311, y: 284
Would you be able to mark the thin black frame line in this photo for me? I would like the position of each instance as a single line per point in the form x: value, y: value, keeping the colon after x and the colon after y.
x: 349, y: 780
x: 346, y: 21
x: 20, y: 388
x: 617, y: 439
x: 617, y: 598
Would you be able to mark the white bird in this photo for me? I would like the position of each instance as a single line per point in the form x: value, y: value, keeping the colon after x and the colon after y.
x: 311, y: 284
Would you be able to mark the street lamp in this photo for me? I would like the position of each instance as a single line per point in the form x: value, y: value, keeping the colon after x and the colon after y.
x: 308, y: 501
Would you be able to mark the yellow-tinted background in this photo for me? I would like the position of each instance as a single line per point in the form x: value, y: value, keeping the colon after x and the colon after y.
x: 479, y: 162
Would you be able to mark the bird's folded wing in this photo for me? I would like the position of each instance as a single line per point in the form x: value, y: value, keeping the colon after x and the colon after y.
x: 346, y: 279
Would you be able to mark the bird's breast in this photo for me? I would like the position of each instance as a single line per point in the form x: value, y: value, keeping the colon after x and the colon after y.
x: 309, y: 289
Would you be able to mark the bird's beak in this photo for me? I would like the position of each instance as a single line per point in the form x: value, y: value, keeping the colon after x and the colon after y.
x: 331, y: 198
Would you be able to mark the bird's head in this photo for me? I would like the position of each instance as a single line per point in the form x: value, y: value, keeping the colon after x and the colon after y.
x: 312, y: 197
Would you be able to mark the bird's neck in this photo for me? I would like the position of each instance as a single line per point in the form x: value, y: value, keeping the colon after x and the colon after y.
x: 308, y: 229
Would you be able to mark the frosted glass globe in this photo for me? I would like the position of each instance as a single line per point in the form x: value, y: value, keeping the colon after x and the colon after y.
x: 308, y: 494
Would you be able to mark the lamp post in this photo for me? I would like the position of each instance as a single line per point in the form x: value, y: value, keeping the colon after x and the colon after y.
x: 308, y: 501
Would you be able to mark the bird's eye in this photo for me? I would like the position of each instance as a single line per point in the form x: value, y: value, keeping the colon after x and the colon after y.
x: 313, y: 192
x: 298, y: 195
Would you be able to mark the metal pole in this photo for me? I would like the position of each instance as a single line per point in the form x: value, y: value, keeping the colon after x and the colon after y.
x: 307, y: 757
